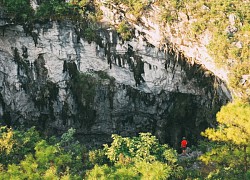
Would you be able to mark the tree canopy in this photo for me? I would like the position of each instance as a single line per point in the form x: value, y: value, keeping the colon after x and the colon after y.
x: 231, y: 150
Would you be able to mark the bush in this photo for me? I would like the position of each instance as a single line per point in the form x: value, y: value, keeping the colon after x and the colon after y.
x: 26, y: 155
x: 19, y: 10
x: 137, y: 158
x: 124, y: 30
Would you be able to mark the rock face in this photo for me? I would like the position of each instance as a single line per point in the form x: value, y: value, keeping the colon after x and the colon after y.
x: 55, y: 80
x: 178, y: 33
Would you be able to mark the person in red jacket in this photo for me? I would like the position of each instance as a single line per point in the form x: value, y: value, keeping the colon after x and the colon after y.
x: 184, y: 145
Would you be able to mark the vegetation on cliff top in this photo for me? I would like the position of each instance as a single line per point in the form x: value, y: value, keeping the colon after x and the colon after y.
x: 83, y: 14
x: 227, y: 21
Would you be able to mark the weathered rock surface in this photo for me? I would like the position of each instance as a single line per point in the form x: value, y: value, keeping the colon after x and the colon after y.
x: 55, y: 81
x: 161, y: 34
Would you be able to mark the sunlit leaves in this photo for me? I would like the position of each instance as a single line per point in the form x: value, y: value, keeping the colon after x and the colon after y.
x: 6, y: 140
x: 231, y: 149
x: 31, y: 157
x: 145, y: 147
x: 124, y: 30
x: 141, y: 157
x: 153, y: 171
x: 234, y: 124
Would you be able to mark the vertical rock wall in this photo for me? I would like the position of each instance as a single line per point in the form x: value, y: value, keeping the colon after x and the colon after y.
x: 58, y: 80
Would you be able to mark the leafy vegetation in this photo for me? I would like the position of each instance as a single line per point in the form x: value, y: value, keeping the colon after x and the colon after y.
x: 56, y: 10
x: 230, y: 154
x: 139, y: 157
x: 19, y: 10
x: 135, y: 7
x: 84, y: 13
x: 27, y: 155
x: 124, y: 30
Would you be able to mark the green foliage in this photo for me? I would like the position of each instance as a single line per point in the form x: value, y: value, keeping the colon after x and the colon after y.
x: 198, y: 27
x: 139, y: 157
x: 6, y: 140
x: 154, y: 170
x: 124, y: 30
x: 31, y: 157
x: 136, y: 7
x: 168, y: 14
x: 97, y: 157
x: 145, y: 147
x: 67, y: 137
x: 84, y: 12
x: 123, y: 172
x: 19, y: 10
x: 191, y: 174
x: 223, y: 46
x: 48, y: 162
x: 89, y: 34
x: 98, y: 172
x: 236, y: 79
x: 17, y: 144
x: 218, y: 48
x: 234, y: 124
x: 230, y: 154
x: 248, y: 175
x: 56, y: 9
x: 75, y: 149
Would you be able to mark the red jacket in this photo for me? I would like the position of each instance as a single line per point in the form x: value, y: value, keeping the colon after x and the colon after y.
x: 184, y: 143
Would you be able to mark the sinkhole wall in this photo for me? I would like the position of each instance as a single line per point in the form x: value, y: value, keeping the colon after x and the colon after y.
x: 55, y: 80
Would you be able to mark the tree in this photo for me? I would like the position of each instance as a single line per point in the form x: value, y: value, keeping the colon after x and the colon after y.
x: 140, y: 157
x: 231, y: 151
x: 14, y: 144
x: 26, y: 155
x: 19, y: 10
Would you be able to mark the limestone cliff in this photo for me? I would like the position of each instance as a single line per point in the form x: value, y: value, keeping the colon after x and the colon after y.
x: 54, y: 80
x: 176, y: 35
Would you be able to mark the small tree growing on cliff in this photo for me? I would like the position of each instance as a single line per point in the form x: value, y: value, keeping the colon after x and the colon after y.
x: 124, y: 30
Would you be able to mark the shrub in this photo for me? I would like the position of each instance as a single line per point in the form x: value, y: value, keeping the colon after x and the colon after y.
x: 137, y: 158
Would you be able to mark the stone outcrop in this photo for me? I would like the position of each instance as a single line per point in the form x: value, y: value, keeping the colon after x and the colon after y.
x: 54, y: 80
x: 176, y: 34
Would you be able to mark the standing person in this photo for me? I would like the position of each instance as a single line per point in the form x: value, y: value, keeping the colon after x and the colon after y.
x: 184, y: 145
